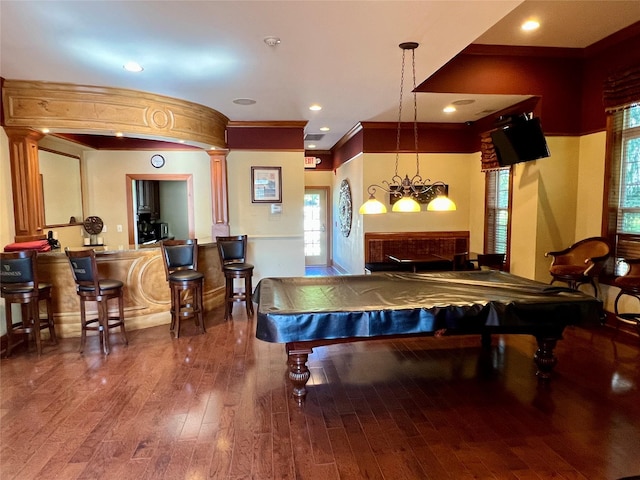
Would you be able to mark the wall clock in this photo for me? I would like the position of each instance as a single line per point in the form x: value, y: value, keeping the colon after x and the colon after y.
x: 157, y: 161
x: 344, y: 208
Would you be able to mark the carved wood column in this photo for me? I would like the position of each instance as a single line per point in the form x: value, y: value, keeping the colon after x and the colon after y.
x: 219, y: 193
x: 28, y: 202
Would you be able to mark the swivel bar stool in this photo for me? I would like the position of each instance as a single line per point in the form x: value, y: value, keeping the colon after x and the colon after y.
x: 19, y: 284
x: 185, y: 281
x: 233, y: 253
x: 91, y: 288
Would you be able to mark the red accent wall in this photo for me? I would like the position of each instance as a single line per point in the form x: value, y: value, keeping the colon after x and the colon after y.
x: 558, y: 81
x: 265, y: 138
x: 613, y: 54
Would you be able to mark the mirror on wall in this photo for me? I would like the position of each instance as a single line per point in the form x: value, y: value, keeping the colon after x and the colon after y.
x: 61, y: 187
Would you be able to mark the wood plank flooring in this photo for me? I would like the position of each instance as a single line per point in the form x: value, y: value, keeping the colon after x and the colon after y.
x: 218, y: 406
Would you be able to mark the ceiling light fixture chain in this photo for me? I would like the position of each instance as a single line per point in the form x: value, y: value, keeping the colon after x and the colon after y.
x: 408, y: 189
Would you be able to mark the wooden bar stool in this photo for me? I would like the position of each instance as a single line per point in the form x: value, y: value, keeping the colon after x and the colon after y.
x: 19, y: 284
x: 233, y: 252
x: 91, y: 288
x: 186, y: 283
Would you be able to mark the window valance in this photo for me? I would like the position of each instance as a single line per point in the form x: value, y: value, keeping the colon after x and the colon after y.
x: 488, y: 156
x: 622, y: 88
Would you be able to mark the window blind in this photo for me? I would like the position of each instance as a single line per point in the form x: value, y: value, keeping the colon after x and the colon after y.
x: 623, y: 198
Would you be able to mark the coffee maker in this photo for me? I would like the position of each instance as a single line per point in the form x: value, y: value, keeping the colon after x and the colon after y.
x: 162, y: 230
x: 146, y: 229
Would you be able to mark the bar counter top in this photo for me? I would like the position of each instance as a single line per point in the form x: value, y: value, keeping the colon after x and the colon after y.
x: 108, y: 248
x: 147, y: 301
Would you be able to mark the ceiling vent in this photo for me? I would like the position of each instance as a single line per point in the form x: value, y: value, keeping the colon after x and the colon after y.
x: 313, y: 137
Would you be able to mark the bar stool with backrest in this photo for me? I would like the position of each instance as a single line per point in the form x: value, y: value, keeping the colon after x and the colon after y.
x: 91, y: 288
x: 19, y: 284
x: 233, y: 252
x: 185, y: 281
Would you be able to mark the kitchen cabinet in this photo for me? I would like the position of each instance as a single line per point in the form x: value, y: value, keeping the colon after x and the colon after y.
x: 148, y: 197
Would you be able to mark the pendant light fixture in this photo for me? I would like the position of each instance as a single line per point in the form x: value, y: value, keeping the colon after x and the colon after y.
x: 408, y: 189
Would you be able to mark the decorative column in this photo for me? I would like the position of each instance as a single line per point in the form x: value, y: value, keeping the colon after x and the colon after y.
x: 28, y: 201
x: 220, y: 198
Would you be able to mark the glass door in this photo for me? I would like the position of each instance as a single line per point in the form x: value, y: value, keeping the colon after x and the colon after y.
x: 315, y: 226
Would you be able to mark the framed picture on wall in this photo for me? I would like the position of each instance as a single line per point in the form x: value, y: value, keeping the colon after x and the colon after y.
x: 266, y: 184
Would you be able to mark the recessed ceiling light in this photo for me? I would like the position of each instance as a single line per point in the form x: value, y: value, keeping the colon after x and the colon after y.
x: 45, y: 130
x: 119, y: 134
x: 244, y: 101
x: 311, y: 145
x: 530, y: 25
x: 324, y: 129
x: 315, y: 107
x: 132, y: 67
x: 449, y: 109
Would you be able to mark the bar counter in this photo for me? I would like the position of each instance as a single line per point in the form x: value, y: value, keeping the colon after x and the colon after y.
x: 147, y: 301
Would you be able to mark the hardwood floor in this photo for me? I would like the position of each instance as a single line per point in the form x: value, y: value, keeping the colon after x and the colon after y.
x: 218, y: 406
x: 320, y: 271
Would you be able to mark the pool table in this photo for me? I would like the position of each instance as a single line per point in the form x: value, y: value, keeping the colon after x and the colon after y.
x: 307, y: 312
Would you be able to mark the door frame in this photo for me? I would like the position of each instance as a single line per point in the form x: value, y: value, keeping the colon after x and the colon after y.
x: 131, y: 177
x: 328, y: 214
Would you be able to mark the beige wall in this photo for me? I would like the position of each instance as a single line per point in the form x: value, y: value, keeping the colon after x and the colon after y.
x: 466, y: 187
x: 590, y: 185
x: 276, y: 245
x: 105, y: 176
x: 453, y: 169
x: 557, y: 197
x: 348, y: 252
x: 318, y: 178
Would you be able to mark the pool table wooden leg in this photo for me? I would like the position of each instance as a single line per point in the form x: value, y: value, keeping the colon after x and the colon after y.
x: 544, y: 357
x: 299, y: 374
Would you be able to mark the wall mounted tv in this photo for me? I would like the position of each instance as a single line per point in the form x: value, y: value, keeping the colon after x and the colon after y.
x: 520, y: 140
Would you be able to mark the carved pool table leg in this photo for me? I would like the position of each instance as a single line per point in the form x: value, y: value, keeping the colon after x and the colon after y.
x: 298, y: 372
x: 544, y: 357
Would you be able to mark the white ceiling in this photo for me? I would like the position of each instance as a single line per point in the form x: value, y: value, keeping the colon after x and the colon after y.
x: 343, y: 55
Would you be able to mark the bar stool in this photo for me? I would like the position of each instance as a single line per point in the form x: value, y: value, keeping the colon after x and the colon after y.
x: 233, y: 252
x: 91, y: 288
x: 186, y: 283
x: 19, y: 284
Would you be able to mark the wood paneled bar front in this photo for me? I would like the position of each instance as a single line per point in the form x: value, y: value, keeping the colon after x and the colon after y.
x: 147, y: 299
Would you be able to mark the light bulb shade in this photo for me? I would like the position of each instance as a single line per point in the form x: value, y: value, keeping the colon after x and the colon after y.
x: 405, y: 205
x: 441, y: 203
x: 372, y: 207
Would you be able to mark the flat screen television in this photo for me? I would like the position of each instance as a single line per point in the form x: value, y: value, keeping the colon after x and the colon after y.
x: 520, y: 141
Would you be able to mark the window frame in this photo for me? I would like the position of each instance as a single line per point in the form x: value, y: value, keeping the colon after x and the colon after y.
x: 490, y: 192
x: 623, y: 244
